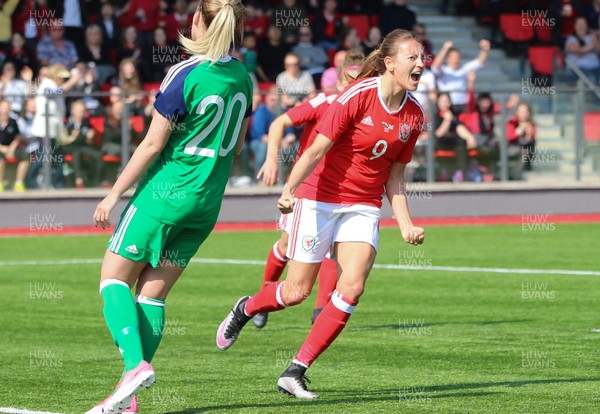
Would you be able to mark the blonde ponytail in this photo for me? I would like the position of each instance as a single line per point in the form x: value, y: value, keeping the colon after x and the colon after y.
x: 223, y: 22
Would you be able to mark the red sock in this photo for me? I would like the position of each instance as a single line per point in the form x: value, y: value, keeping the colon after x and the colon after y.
x: 275, y: 264
x: 268, y: 299
x: 327, y: 282
x: 326, y: 328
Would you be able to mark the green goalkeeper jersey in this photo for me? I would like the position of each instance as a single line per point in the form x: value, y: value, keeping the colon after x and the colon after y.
x: 207, y: 105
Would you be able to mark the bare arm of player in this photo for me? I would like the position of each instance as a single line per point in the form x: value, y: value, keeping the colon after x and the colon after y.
x: 269, y: 169
x: 304, y: 166
x: 145, y: 154
x: 396, y: 193
x: 242, y: 137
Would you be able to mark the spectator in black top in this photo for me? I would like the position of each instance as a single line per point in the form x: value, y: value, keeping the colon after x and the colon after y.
x: 329, y: 27
x: 130, y: 48
x: 110, y: 26
x: 94, y: 49
x: 19, y: 54
x: 271, y: 53
x: 9, y: 132
x: 372, y: 41
x: 78, y: 141
x: 592, y: 15
x: 396, y: 16
x: 159, y: 57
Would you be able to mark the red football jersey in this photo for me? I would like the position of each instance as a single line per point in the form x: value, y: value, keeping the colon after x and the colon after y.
x: 309, y: 113
x: 368, y: 139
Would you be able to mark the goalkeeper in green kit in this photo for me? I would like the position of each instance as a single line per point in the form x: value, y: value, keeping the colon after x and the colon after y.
x: 200, y: 118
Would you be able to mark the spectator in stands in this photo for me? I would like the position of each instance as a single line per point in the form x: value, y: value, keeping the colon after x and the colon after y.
x: 27, y: 146
x: 77, y: 141
x: 396, y: 15
x: 328, y: 26
x: 271, y: 53
x: 24, y: 21
x: 592, y: 15
x: 372, y: 41
x: 7, y: 7
x: 261, y: 121
x: 129, y: 82
x: 94, y: 49
x: 55, y: 81
x: 289, y: 16
x: 179, y: 20
x: 452, y: 135
x: 112, y: 138
x: 421, y: 33
x: 87, y: 86
x: 145, y: 15
x: 294, y: 83
x: 331, y: 75
x: 582, y: 49
x: 352, y: 41
x: 249, y: 55
x: 130, y: 48
x: 452, y: 77
x: 14, y: 89
x: 520, y: 133
x: 54, y: 49
x: 256, y: 22
x: 19, y: 54
x: 108, y: 22
x: 9, y: 138
x: 159, y: 57
x: 312, y: 58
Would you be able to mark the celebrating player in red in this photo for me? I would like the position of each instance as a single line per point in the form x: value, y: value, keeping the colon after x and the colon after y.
x: 307, y: 113
x: 371, y: 130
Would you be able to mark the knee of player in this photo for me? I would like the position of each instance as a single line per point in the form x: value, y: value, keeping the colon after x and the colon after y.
x: 294, y: 294
x: 353, y: 290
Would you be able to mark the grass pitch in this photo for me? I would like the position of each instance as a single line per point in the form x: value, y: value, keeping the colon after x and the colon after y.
x: 421, y: 341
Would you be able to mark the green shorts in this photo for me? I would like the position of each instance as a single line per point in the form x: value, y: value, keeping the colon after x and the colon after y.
x: 142, y: 238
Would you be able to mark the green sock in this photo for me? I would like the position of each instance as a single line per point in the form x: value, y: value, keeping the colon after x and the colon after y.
x: 151, y: 313
x: 122, y: 320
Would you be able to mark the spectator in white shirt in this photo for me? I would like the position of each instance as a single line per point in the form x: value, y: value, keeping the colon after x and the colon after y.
x: 452, y: 77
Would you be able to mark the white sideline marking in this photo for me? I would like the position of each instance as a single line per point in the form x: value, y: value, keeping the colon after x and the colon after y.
x: 460, y: 269
x: 11, y: 410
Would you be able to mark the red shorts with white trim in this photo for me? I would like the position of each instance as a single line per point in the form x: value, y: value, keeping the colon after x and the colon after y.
x: 317, y: 226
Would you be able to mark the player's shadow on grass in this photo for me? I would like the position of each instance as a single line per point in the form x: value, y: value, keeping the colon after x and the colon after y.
x: 395, y: 395
x: 412, y: 325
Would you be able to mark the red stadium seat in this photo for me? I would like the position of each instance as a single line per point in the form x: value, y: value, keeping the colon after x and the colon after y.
x: 542, y: 58
x: 360, y: 23
x: 513, y: 28
x: 151, y: 86
x: 444, y: 154
x: 591, y: 121
x: 137, y: 123
x: 111, y: 158
x: 473, y: 153
x: 68, y: 158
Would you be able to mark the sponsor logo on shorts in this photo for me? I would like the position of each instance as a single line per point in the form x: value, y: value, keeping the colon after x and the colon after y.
x: 132, y: 249
x: 404, y: 132
x: 309, y: 243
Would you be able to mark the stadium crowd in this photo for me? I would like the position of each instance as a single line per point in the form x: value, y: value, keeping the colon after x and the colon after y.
x: 59, y: 56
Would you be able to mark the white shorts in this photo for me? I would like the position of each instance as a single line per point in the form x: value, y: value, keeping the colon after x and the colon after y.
x: 317, y: 225
x: 285, y: 223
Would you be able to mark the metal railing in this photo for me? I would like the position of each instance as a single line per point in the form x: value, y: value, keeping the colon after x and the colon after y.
x: 576, y: 96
